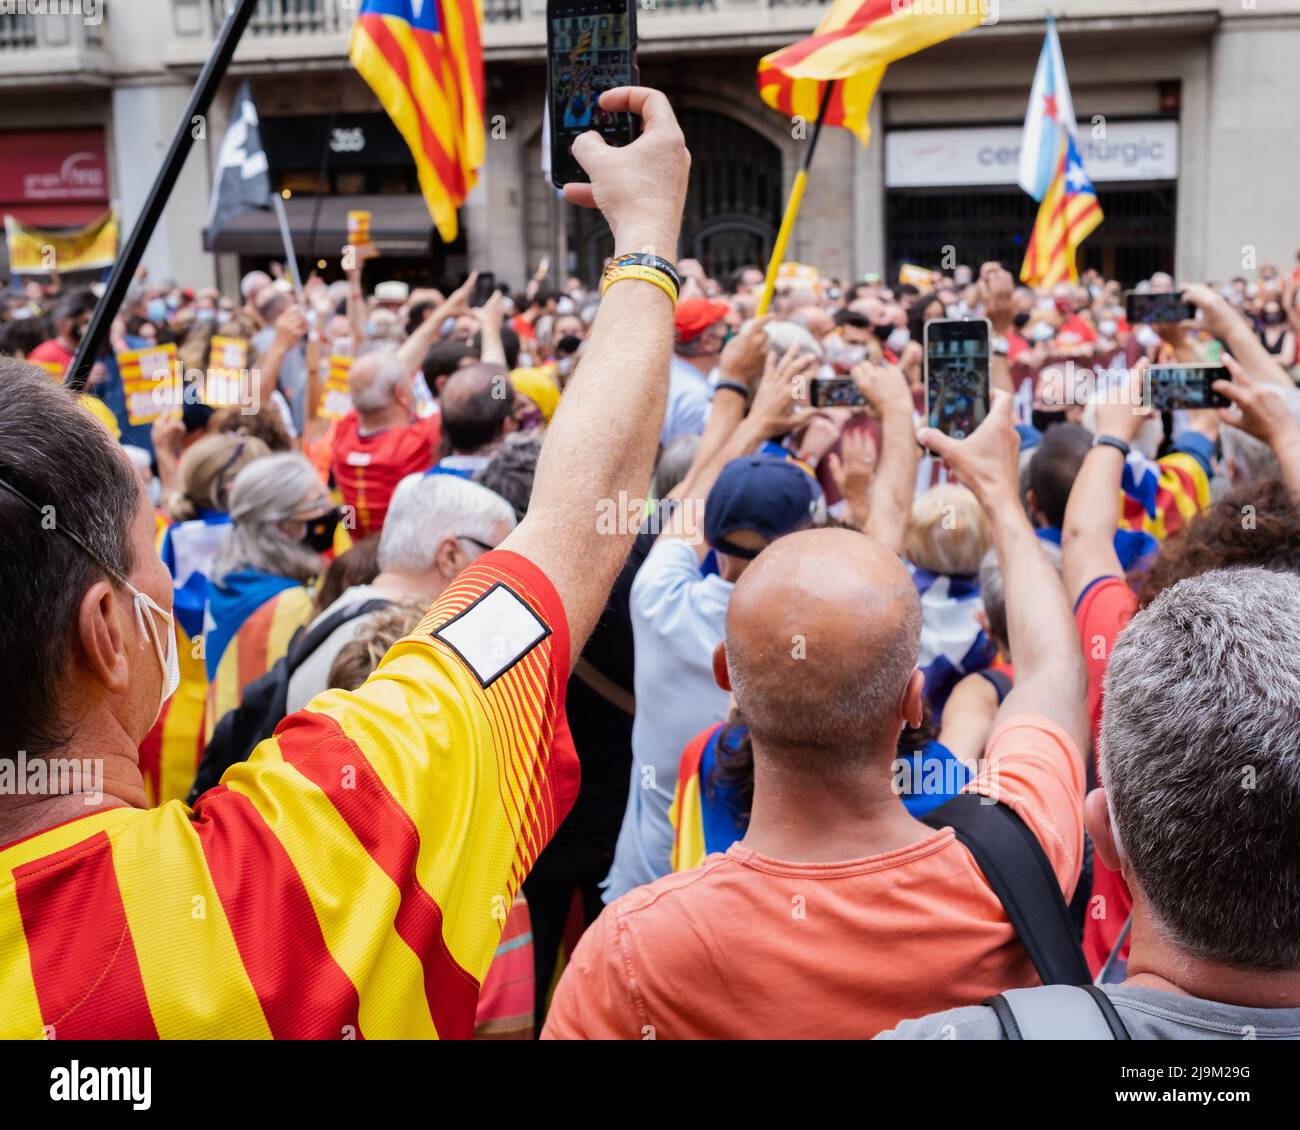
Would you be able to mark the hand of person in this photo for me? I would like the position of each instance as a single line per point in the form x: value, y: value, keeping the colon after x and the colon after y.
x: 457, y: 302
x: 853, y: 468
x: 491, y: 314
x: 167, y: 434
x: 782, y: 391
x: 1121, y: 408
x: 912, y: 365
x: 995, y: 290
x: 988, y: 460
x: 885, y: 388
x: 639, y: 188
x: 1257, y: 408
x: 1217, y: 315
x: 291, y: 326
x: 821, y: 431
x: 744, y: 356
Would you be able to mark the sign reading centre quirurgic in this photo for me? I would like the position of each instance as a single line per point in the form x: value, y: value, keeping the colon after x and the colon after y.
x: 1129, y: 151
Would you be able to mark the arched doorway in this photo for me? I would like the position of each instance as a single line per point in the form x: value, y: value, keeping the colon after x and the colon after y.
x: 733, y: 207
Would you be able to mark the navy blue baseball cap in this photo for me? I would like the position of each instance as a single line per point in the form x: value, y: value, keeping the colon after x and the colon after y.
x: 763, y: 493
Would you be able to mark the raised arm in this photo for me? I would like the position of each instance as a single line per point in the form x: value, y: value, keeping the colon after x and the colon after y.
x: 1093, y: 511
x: 411, y: 352
x: 602, y: 440
x: 1050, y: 677
x: 1225, y: 323
x: 894, y: 483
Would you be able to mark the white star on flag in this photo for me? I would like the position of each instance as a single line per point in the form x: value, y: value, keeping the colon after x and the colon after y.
x: 1075, y: 178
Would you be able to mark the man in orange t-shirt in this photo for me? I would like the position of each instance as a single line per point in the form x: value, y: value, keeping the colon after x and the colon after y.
x: 838, y: 914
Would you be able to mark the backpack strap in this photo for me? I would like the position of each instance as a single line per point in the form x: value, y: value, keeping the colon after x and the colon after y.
x: 1019, y: 872
x: 305, y: 640
x: 1058, y: 1012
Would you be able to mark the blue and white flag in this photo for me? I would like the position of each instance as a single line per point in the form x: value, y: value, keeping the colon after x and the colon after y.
x: 1048, y: 120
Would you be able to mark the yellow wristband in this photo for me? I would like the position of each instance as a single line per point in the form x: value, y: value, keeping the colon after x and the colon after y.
x: 644, y: 274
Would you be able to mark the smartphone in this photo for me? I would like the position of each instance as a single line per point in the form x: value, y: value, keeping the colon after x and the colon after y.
x: 957, y: 374
x: 1157, y: 309
x: 836, y: 392
x: 1187, y: 386
x: 484, y: 287
x: 590, y: 48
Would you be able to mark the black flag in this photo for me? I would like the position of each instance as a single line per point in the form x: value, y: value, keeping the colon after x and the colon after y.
x: 243, y: 181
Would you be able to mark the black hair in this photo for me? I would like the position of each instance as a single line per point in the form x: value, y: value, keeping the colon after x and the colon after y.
x: 44, y: 572
x: 1054, y: 466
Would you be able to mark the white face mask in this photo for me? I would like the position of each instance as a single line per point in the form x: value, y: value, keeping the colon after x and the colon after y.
x: 166, y: 653
x: 898, y: 339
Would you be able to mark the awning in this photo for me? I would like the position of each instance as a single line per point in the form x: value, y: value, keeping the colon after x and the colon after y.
x: 399, y: 225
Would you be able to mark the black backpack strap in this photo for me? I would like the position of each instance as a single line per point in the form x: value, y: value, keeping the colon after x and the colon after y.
x: 1019, y: 872
x: 305, y: 641
x: 1057, y: 1012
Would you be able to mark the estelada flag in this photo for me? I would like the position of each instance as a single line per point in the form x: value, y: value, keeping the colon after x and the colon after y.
x: 853, y: 44
x: 1068, y: 213
x: 336, y: 399
x: 424, y: 61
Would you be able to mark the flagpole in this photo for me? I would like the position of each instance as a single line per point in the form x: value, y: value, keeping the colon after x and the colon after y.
x: 286, y: 236
x: 205, y: 89
x: 792, y: 205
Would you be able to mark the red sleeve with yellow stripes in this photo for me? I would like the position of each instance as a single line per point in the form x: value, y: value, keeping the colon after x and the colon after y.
x: 350, y: 880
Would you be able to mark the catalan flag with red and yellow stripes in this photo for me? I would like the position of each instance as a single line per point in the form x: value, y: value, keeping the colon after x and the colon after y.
x: 1067, y: 215
x: 853, y: 44
x: 424, y: 61
x: 348, y: 881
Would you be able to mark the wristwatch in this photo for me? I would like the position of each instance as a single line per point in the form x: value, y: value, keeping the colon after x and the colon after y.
x: 1112, y: 441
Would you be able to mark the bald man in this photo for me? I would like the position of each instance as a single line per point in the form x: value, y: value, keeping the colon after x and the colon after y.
x: 381, y: 440
x: 478, y: 412
x: 838, y: 914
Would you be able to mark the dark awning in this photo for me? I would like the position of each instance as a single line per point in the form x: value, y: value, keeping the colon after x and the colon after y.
x: 399, y: 225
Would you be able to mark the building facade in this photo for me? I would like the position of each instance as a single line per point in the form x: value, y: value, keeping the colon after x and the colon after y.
x: 1183, y: 108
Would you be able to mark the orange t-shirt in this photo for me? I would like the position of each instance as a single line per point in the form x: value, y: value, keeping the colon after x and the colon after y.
x: 750, y: 947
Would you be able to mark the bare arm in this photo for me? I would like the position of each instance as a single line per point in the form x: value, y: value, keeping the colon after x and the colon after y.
x: 894, y: 484
x: 1050, y: 676
x: 1225, y: 323
x: 1093, y: 511
x: 411, y: 352
x: 598, y: 444
x: 492, y: 349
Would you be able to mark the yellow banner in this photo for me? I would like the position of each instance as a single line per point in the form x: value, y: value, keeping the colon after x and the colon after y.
x: 227, y: 363
x: 149, y: 378
x: 37, y: 251
x: 336, y: 400
x: 917, y: 276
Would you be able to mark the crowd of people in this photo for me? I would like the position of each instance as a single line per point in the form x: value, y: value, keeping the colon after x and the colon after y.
x: 551, y: 666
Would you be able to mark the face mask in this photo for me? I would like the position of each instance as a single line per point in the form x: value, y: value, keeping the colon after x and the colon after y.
x: 1043, y: 332
x: 841, y: 353
x: 882, y: 329
x: 157, y: 310
x: 1106, y: 328
x: 206, y: 315
x: 167, y: 657
x: 1273, y: 318
x: 76, y: 332
x: 1021, y: 320
x: 530, y: 419
x: 448, y: 324
x: 898, y: 339
x: 568, y: 344
x: 173, y: 303
x: 1147, y: 337
x: 320, y: 532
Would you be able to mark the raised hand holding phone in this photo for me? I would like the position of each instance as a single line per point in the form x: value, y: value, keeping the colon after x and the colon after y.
x: 640, y: 188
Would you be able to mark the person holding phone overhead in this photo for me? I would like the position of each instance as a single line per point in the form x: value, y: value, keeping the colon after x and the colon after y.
x: 382, y: 925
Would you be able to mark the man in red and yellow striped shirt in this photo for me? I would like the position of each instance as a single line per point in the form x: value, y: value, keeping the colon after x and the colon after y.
x: 351, y: 878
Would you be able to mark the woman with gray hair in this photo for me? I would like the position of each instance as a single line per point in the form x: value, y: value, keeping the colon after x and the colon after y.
x: 282, y: 520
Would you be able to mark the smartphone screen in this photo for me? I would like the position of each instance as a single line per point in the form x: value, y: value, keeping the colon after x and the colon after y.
x: 957, y: 374
x: 836, y: 392
x: 1186, y: 386
x: 590, y: 48
x: 484, y: 286
x: 1157, y: 309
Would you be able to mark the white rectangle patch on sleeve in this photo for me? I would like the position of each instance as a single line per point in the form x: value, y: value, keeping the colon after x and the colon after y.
x: 494, y: 633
